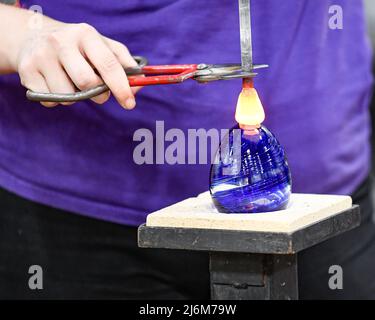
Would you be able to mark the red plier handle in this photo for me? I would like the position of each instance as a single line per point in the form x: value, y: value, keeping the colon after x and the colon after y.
x: 163, y: 74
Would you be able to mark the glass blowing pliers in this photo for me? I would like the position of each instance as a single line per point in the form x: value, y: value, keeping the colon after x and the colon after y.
x: 145, y: 75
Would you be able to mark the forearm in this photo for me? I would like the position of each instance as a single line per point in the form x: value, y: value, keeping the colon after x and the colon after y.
x: 15, y: 27
x: 13, y: 24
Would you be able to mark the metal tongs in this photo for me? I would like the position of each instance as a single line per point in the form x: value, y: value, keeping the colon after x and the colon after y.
x: 145, y: 75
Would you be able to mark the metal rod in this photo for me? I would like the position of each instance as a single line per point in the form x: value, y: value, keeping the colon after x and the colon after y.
x: 245, y: 33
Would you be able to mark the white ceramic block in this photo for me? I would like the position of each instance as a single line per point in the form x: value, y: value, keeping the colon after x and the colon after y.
x: 199, y: 212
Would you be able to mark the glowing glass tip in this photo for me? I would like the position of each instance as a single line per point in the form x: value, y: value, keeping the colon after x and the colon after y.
x: 249, y: 110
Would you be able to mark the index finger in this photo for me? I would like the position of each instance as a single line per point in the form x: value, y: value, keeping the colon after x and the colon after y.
x: 124, y: 57
x: 109, y: 68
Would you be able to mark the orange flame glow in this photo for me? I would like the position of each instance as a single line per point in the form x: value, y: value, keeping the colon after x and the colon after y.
x: 249, y: 111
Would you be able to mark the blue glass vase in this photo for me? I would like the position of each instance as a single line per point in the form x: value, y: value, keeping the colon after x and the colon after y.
x: 250, y: 173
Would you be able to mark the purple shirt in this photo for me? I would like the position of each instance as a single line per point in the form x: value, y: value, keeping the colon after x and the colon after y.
x: 315, y: 92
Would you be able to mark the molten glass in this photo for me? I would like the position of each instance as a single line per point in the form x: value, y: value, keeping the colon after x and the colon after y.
x: 249, y: 109
x: 250, y: 173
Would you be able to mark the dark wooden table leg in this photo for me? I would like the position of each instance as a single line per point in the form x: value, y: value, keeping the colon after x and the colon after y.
x: 282, y: 276
x: 247, y: 276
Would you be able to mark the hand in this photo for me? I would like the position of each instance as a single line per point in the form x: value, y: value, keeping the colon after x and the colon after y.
x: 61, y: 57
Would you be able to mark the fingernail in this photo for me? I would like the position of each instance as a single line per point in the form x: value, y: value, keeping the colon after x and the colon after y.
x: 49, y: 104
x: 130, y: 103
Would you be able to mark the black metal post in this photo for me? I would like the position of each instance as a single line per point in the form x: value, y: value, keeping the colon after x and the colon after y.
x: 246, y: 276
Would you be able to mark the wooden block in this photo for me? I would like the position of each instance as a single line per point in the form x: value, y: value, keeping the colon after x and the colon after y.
x: 200, y: 213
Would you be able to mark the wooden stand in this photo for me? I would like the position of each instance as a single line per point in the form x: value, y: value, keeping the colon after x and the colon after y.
x: 252, y: 256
